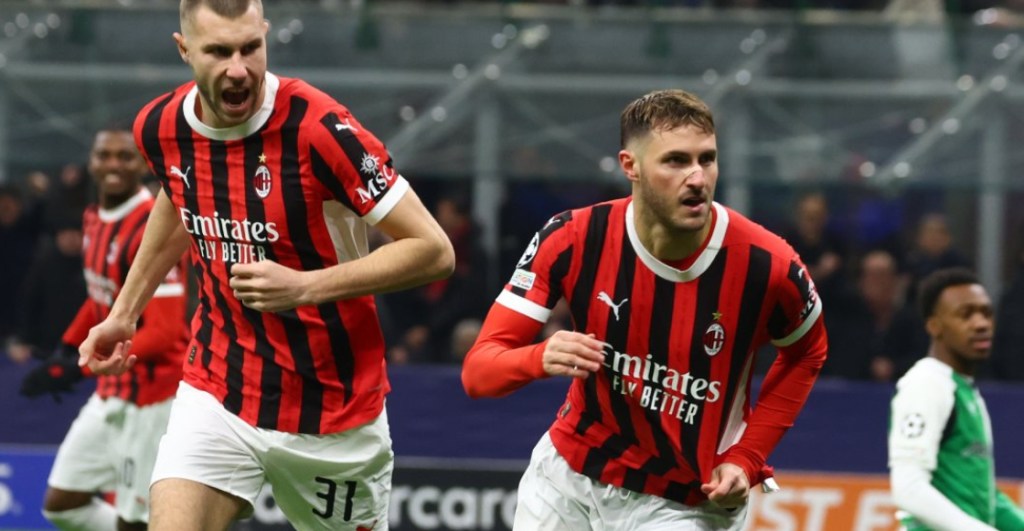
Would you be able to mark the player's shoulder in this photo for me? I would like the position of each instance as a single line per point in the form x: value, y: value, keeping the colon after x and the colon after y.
x: 927, y: 374
x: 162, y: 102
x: 582, y: 220
x: 318, y: 101
x: 745, y: 231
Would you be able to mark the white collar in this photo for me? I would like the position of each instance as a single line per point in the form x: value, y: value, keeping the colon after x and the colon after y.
x: 235, y: 132
x: 700, y: 265
x: 120, y: 211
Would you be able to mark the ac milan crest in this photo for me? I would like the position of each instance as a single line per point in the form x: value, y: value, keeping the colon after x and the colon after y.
x: 261, y: 182
x: 714, y: 337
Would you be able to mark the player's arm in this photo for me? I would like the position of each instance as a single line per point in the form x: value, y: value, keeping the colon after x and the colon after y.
x: 1008, y: 514
x: 913, y: 492
x: 783, y: 393
x: 164, y: 241
x: 919, y: 413
x: 803, y: 346
x: 419, y: 253
x: 503, y: 358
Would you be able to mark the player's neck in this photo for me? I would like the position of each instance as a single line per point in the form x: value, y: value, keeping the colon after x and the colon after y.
x: 112, y: 201
x: 957, y: 363
x: 669, y: 244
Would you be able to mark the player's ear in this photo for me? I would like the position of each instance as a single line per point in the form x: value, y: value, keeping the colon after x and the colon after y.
x: 179, y: 39
x: 629, y: 164
x: 933, y: 327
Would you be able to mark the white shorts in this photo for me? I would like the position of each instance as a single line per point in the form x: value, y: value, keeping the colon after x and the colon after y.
x: 319, y: 481
x: 111, y: 447
x: 553, y: 497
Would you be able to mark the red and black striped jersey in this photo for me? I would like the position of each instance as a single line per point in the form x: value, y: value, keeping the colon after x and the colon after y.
x: 673, y: 395
x: 297, y: 184
x: 111, y: 240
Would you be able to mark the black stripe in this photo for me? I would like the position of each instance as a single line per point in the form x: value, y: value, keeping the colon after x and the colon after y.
x: 559, y: 269
x: 124, y: 263
x: 151, y: 140
x: 202, y: 266
x: 325, y: 174
x: 298, y: 230
x: 634, y: 480
x: 755, y: 287
x: 222, y: 204
x: 270, y: 374
x: 659, y: 344
x: 133, y: 387
x: 778, y: 322
x: 617, y: 335
x: 579, y: 302
x: 709, y: 288
x: 679, y: 491
x: 373, y: 182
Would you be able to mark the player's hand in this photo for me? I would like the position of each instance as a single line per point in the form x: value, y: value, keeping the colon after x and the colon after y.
x: 106, y: 350
x: 572, y: 354
x: 729, y: 486
x: 268, y: 286
x: 54, y: 376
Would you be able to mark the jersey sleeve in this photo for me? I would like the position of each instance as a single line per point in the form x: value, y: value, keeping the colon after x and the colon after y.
x: 354, y: 167
x: 86, y: 318
x: 918, y: 416
x: 536, y: 284
x: 797, y: 305
x: 797, y: 329
x: 1008, y: 514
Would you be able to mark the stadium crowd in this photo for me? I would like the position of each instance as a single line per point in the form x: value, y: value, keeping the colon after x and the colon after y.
x: 866, y: 266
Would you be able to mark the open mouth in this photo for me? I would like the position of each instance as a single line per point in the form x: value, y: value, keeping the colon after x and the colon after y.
x: 235, y: 97
x: 693, y: 202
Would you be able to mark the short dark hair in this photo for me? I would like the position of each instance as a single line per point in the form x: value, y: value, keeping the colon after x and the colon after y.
x: 931, y: 287
x: 224, y: 8
x: 664, y: 109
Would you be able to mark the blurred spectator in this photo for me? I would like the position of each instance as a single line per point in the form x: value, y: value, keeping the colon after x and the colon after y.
x: 463, y: 337
x: 425, y: 317
x: 69, y: 195
x: 821, y: 249
x: 18, y: 233
x: 52, y: 291
x: 933, y: 250
x: 872, y: 333
x: 1008, y: 343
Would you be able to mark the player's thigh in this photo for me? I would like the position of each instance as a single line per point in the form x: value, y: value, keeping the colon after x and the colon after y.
x: 137, y: 445
x: 552, y: 496
x: 336, y: 481
x: 185, y: 505
x: 206, y: 445
x: 84, y: 462
x: 643, y: 512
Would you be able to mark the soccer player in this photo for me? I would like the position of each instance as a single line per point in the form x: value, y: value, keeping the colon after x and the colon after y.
x: 940, y: 438
x: 271, y: 183
x: 111, y: 446
x: 671, y: 294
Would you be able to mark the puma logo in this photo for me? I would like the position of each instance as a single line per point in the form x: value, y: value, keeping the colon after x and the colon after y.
x: 176, y: 171
x: 345, y: 125
x: 605, y: 298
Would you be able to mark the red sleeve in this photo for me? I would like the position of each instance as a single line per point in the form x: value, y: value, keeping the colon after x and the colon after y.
x: 783, y: 392
x: 162, y: 327
x: 86, y: 318
x: 354, y: 166
x: 502, y: 359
